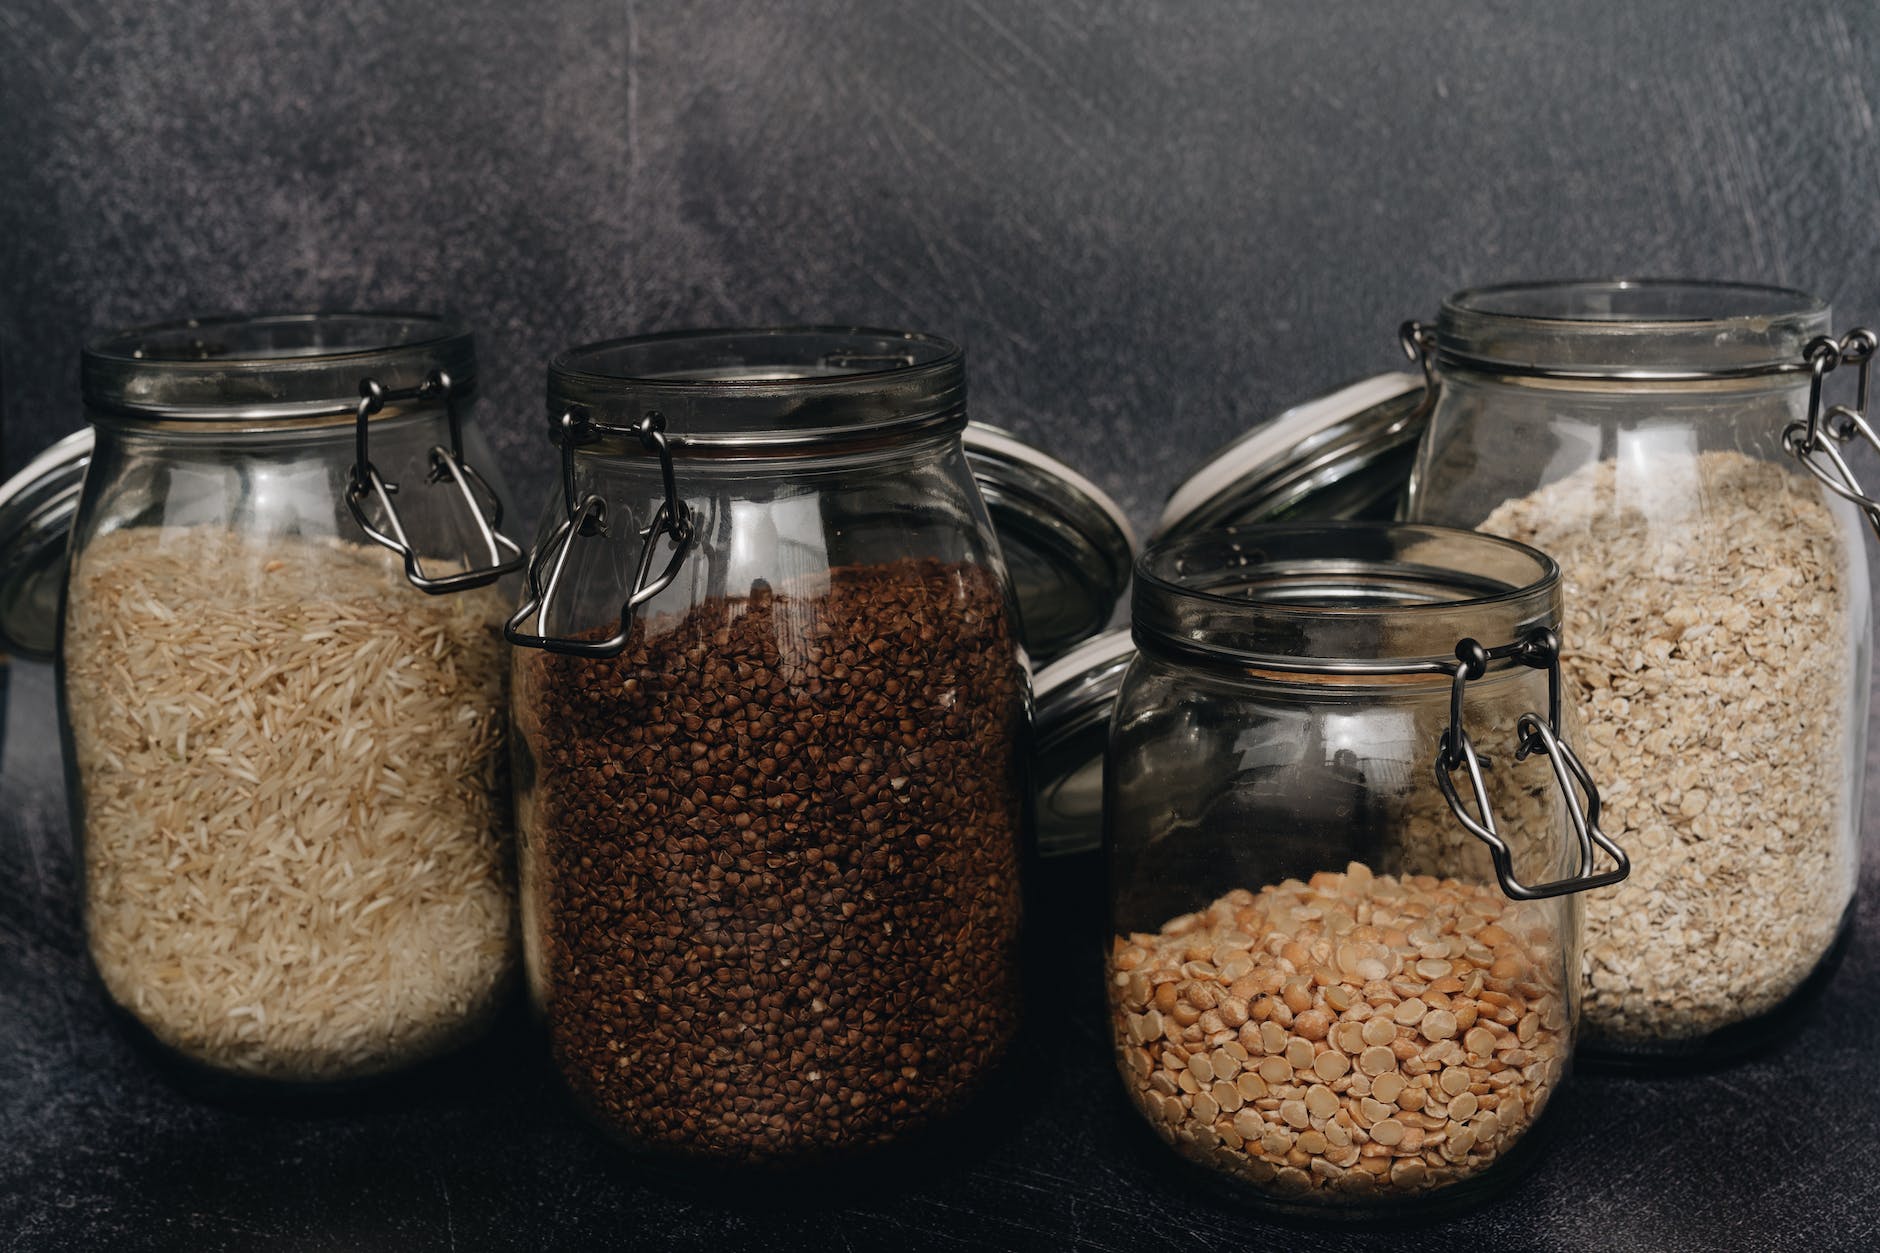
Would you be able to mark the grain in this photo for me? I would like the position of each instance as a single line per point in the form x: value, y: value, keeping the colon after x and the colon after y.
x: 771, y: 866
x: 1707, y: 613
x: 293, y: 798
x: 1396, y: 1121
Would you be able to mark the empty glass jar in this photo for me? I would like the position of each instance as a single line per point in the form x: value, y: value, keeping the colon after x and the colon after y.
x: 1346, y: 836
x: 1644, y: 434
x: 283, y: 698
x: 771, y: 705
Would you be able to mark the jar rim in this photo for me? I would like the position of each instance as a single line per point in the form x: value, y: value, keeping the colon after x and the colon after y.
x: 272, y: 366
x: 1340, y: 597
x: 1636, y: 329
x: 763, y: 389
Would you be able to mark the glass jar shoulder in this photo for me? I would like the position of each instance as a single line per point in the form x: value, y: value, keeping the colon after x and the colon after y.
x: 770, y: 526
x: 1584, y: 450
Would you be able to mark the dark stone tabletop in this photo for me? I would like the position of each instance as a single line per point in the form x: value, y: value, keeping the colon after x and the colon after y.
x: 100, y: 1148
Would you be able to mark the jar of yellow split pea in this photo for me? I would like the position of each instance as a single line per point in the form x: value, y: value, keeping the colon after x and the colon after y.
x: 1347, y: 834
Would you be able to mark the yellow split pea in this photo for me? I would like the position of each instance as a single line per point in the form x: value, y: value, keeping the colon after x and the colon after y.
x: 1399, y: 1035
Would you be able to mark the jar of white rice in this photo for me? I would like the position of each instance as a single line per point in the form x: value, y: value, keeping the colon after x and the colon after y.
x: 282, y: 691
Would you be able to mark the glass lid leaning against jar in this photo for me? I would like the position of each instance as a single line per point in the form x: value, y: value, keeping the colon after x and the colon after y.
x: 1347, y: 836
x: 770, y: 706
x: 1669, y: 443
x: 281, y: 690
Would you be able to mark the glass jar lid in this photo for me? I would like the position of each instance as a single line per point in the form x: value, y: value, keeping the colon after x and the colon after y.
x: 271, y: 367
x: 1641, y: 330
x: 1343, y: 455
x: 766, y: 391
x: 1072, y: 699
x: 36, y: 508
x: 1067, y: 545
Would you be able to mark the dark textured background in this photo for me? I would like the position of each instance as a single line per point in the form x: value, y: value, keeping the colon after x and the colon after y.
x: 1151, y: 224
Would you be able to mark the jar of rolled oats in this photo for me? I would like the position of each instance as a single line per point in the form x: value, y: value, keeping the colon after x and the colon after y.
x: 1347, y: 836
x: 1670, y: 445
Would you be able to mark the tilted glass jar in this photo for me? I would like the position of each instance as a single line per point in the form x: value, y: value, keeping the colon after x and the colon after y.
x: 1344, y: 968
x: 770, y: 712
x: 283, y: 700
x: 1644, y: 434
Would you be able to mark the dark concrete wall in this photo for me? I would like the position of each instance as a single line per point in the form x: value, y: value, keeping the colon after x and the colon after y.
x: 1150, y: 223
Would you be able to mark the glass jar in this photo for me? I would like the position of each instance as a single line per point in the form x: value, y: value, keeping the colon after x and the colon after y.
x: 1639, y: 432
x: 1344, y: 968
x: 770, y: 709
x: 283, y: 700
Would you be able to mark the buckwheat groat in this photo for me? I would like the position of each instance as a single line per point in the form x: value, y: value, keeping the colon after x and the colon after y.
x: 771, y: 862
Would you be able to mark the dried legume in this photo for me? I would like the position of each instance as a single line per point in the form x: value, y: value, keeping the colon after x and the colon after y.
x: 1379, y: 1104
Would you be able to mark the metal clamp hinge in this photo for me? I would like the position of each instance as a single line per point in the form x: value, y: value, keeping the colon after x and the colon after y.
x: 587, y: 516
x: 504, y: 554
x: 1540, y: 650
x: 1817, y: 441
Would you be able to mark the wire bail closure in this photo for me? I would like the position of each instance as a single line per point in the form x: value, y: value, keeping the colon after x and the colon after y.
x: 1817, y: 442
x: 1418, y: 342
x: 586, y: 517
x: 1539, y: 651
x: 505, y: 554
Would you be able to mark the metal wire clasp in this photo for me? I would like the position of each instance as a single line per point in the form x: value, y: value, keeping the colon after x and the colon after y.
x: 1419, y: 345
x: 364, y: 480
x: 587, y: 516
x: 1816, y: 442
x: 1540, y: 650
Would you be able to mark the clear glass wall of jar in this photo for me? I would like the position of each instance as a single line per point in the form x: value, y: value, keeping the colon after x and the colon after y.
x: 287, y: 762
x: 1718, y: 605
x: 770, y: 712
x: 1323, y: 985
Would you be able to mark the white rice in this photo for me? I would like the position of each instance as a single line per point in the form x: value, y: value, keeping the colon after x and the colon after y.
x: 295, y: 816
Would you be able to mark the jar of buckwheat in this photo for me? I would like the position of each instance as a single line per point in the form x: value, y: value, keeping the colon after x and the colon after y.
x: 1670, y: 444
x: 1347, y: 837
x: 770, y: 701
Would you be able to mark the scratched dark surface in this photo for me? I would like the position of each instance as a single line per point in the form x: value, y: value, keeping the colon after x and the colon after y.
x: 99, y: 1151
x: 1151, y: 225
